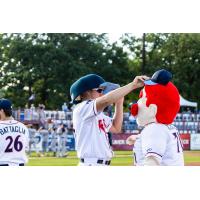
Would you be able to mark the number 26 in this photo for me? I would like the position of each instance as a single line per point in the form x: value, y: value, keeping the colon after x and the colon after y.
x: 18, y: 145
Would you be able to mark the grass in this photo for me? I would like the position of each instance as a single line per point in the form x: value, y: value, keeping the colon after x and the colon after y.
x: 121, y: 158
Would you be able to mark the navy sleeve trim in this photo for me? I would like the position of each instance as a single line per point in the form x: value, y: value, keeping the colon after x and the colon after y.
x: 154, y: 153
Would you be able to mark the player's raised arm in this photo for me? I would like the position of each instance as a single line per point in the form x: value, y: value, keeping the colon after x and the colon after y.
x: 115, y: 95
x: 118, y: 117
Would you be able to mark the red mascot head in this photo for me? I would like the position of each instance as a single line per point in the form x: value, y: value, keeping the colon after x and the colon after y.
x: 159, y: 100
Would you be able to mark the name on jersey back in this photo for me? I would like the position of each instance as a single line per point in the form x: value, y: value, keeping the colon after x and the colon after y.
x: 9, y: 129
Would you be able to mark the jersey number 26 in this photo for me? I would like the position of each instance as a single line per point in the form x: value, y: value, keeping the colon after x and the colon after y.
x: 13, y: 143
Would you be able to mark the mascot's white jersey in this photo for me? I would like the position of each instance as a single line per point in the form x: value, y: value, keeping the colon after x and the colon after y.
x: 91, y: 130
x: 161, y: 141
x: 14, y: 140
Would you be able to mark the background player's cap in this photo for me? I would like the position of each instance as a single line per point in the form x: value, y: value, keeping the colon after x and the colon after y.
x: 108, y: 87
x: 5, y: 104
x: 84, y: 84
x: 159, y: 77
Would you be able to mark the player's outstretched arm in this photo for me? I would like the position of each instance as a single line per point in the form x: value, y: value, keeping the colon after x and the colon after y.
x: 118, y: 117
x: 117, y: 94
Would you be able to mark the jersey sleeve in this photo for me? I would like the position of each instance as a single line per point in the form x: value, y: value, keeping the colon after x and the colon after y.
x: 108, y: 122
x: 89, y: 109
x: 154, y: 142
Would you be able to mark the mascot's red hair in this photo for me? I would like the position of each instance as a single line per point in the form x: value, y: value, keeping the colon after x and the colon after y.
x: 159, y: 100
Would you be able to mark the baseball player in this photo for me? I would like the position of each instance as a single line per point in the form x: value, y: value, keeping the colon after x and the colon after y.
x: 14, y: 137
x: 32, y: 133
x: 90, y: 124
x: 54, y: 140
x: 62, y: 140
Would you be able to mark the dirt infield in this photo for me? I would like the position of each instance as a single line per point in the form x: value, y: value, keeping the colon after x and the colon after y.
x: 192, y: 158
x: 192, y: 164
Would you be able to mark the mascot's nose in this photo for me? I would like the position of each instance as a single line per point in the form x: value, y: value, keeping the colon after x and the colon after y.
x: 134, y: 109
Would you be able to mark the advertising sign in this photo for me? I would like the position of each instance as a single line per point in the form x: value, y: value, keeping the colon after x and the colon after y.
x: 119, y: 142
x: 185, y: 138
x: 195, y: 142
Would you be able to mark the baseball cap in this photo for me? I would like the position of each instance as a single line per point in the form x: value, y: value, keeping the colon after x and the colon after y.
x: 5, y: 104
x: 108, y: 87
x: 159, y: 77
x: 85, y: 83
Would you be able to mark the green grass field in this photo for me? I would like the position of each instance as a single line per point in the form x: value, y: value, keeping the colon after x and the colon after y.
x: 121, y: 158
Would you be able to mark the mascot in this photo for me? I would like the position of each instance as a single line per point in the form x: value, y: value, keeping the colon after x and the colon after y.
x: 159, y: 142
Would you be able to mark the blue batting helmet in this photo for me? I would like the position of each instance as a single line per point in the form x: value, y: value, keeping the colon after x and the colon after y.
x: 84, y: 84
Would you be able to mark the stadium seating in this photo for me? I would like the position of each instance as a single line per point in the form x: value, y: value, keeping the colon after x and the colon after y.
x: 185, y: 122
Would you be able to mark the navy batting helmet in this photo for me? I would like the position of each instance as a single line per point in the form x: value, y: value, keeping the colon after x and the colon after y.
x: 84, y: 84
x: 5, y: 104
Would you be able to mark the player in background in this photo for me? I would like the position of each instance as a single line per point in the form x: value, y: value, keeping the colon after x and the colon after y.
x: 90, y: 124
x: 45, y: 137
x: 32, y: 132
x: 14, y: 137
x: 62, y: 141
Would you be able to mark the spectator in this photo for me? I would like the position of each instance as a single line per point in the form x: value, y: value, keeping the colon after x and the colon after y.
x: 64, y: 107
x: 42, y: 116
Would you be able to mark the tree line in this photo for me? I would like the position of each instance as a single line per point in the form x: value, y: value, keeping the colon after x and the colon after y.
x: 46, y: 64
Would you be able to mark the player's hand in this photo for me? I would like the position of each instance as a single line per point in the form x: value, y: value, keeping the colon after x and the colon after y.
x: 139, y: 81
x: 131, y: 139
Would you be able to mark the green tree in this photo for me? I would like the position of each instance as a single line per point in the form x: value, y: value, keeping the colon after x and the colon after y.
x: 47, y: 64
x: 178, y: 53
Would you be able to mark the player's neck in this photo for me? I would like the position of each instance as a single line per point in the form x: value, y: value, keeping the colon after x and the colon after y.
x: 6, y: 118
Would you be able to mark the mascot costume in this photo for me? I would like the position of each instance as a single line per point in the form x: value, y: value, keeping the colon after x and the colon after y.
x: 159, y: 142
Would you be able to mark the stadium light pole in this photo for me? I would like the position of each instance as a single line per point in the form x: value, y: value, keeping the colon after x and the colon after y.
x: 143, y: 53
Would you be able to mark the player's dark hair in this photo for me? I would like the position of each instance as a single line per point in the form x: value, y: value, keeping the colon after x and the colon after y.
x: 8, y: 112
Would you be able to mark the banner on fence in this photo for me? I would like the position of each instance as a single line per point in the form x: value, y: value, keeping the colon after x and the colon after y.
x: 195, y: 142
x: 185, y: 141
x: 119, y: 142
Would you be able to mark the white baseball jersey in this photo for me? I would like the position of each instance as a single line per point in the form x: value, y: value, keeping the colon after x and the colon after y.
x: 14, y: 140
x: 91, y: 130
x: 161, y: 141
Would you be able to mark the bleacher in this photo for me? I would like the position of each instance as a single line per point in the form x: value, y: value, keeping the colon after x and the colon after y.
x: 185, y: 122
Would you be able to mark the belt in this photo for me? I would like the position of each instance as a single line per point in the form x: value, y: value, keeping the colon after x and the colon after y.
x: 106, y: 162
x: 21, y: 164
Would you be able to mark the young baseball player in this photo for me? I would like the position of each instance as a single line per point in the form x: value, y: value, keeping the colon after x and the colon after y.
x: 159, y: 142
x: 14, y: 137
x: 62, y: 141
x: 90, y: 124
